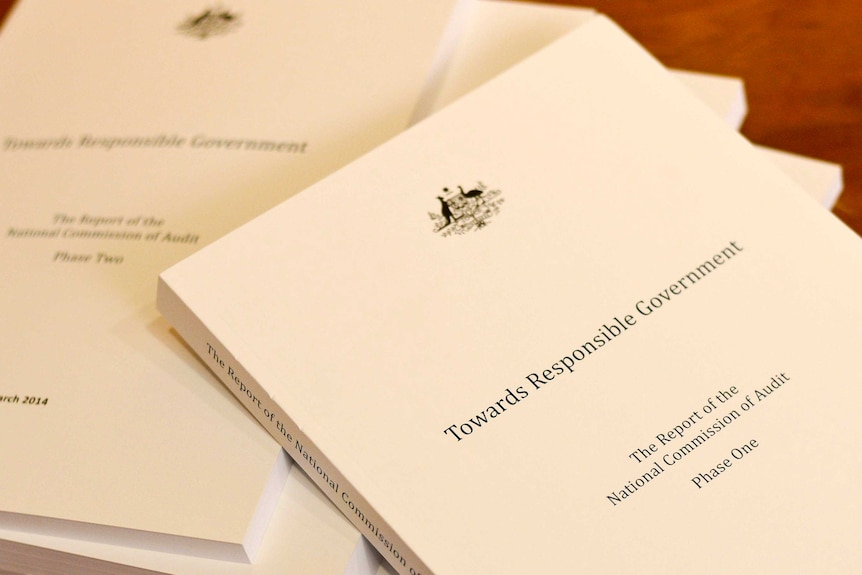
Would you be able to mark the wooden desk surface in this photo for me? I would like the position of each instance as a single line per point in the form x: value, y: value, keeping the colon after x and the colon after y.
x: 802, y: 67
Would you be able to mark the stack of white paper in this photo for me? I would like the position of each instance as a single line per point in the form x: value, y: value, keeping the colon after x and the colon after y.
x: 132, y: 134
x: 563, y: 324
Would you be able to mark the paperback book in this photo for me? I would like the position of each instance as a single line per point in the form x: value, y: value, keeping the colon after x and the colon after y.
x: 132, y: 134
x: 554, y: 327
x: 500, y: 33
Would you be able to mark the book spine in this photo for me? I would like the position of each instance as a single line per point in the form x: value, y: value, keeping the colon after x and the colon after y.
x: 301, y: 448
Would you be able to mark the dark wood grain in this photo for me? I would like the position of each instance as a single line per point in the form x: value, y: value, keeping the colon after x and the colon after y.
x: 4, y: 9
x: 801, y: 62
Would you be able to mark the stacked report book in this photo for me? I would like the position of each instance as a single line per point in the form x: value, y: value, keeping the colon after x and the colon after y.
x: 371, y: 340
x: 572, y: 321
x: 132, y: 134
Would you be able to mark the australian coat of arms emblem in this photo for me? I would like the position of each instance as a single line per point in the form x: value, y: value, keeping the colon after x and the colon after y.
x: 460, y: 211
x: 210, y: 22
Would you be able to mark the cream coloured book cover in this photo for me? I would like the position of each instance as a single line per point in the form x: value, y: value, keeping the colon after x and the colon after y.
x: 555, y: 327
x: 139, y: 133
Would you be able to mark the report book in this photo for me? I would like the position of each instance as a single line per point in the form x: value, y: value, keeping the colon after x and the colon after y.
x: 555, y: 327
x: 497, y: 34
x: 132, y: 134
